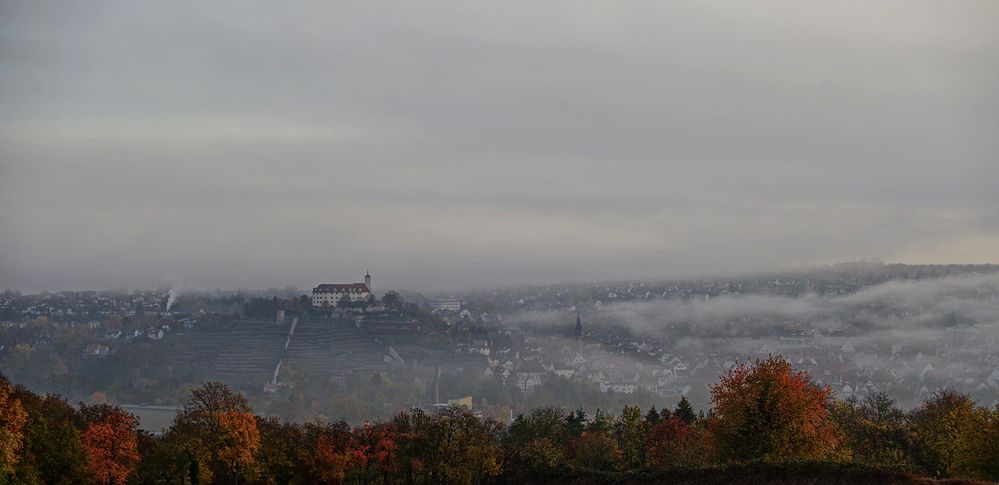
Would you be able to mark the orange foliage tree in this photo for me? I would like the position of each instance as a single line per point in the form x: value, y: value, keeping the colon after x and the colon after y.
x: 12, y: 420
x: 336, y: 452
x: 218, y: 429
x: 110, y: 443
x: 771, y: 412
x: 239, y: 440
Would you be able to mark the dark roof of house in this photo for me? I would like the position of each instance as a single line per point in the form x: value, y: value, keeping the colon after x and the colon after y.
x: 342, y: 288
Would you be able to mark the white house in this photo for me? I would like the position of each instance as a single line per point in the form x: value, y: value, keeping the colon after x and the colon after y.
x: 448, y: 304
x: 624, y: 388
x: 331, y: 294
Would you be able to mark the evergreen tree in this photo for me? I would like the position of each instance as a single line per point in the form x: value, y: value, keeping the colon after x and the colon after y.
x: 652, y: 417
x: 685, y: 411
x: 664, y: 415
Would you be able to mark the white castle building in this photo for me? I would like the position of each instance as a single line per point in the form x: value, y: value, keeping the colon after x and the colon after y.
x: 331, y: 294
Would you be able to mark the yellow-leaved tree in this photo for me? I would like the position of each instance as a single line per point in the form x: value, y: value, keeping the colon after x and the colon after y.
x: 12, y: 420
x: 220, y: 432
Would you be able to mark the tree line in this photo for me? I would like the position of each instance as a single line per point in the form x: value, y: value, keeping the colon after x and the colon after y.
x: 761, y: 412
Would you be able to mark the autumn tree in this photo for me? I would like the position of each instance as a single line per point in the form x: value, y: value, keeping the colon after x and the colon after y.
x: 537, y: 442
x: 628, y: 430
x: 109, y: 439
x: 238, y: 441
x: 335, y: 451
x: 221, y: 431
x: 771, y: 412
x: 162, y: 459
x: 466, y: 449
x: 52, y: 451
x: 378, y: 441
x: 12, y: 420
x: 673, y: 443
x: 595, y: 450
x: 983, y: 448
x: 942, y: 430
x: 283, y: 451
x: 449, y: 446
x: 487, y: 455
x: 412, y: 442
x: 874, y: 430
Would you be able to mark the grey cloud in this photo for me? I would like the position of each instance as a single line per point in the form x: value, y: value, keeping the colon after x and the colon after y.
x: 233, y: 143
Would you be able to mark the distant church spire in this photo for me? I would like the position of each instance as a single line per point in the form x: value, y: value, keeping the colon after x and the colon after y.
x: 367, y: 278
x: 579, y: 326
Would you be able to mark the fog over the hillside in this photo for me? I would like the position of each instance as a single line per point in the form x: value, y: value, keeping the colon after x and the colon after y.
x: 902, y: 306
x: 445, y: 144
x: 950, y: 323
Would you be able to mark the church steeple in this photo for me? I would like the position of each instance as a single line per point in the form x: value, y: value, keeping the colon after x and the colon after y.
x: 367, y: 278
x: 579, y: 326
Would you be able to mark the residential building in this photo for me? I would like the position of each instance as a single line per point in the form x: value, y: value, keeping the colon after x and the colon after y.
x: 331, y: 294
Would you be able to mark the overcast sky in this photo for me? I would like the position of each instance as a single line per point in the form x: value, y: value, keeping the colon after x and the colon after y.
x: 451, y: 144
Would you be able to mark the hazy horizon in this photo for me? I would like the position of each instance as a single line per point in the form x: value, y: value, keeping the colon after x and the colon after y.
x: 446, y: 145
x: 430, y: 290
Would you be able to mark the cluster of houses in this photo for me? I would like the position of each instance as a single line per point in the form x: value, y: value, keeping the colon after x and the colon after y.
x: 80, y: 307
x: 964, y: 359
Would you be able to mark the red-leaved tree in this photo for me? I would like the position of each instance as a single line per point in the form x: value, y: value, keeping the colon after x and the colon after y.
x: 669, y: 444
x: 771, y: 412
x: 336, y: 452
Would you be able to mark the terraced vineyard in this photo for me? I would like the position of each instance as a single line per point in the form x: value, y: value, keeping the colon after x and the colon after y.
x: 353, y: 349
x: 249, y: 351
x: 310, y: 347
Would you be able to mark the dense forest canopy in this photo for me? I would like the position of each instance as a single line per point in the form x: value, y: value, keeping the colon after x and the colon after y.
x: 762, y: 412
